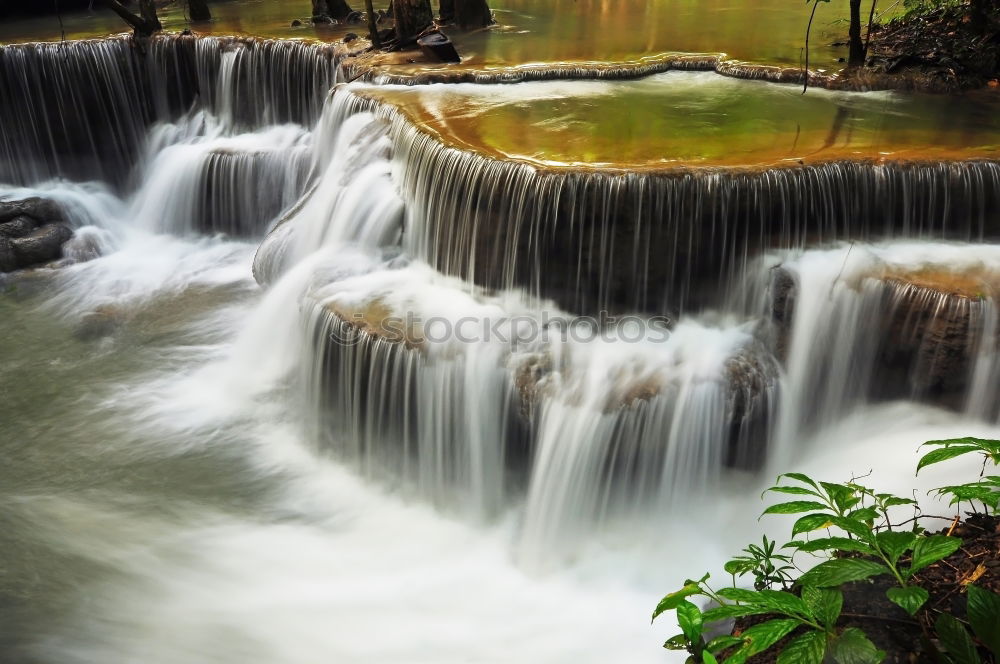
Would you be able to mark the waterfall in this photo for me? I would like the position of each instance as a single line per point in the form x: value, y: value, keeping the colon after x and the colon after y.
x: 864, y: 323
x: 81, y: 110
x: 659, y: 241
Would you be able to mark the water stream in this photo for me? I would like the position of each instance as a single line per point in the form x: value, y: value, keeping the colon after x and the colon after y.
x: 377, y: 456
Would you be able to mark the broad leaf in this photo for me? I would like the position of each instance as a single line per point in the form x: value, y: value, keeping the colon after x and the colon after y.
x: 825, y: 604
x: 807, y: 648
x: 844, y: 497
x: 733, y: 611
x: 853, y: 647
x: 944, y: 454
x: 761, y: 637
x: 679, y: 642
x: 708, y: 658
x: 910, y: 598
x: 792, y: 490
x: 984, y: 616
x: 857, y: 528
x: 835, y: 543
x: 690, y: 620
x: 840, y: 571
x: 795, y: 507
x: 721, y: 643
x: 674, y: 599
x: 895, y: 543
x: 955, y: 640
x: 931, y: 549
x: 741, y: 595
x: 740, y: 566
x: 799, y: 477
x: 812, y: 522
x: 785, y: 602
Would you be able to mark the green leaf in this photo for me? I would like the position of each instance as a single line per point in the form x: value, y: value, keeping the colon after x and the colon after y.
x: 825, y: 603
x: 910, y: 598
x: 741, y: 595
x: 673, y: 600
x: 857, y: 528
x: 944, y: 454
x: 740, y: 566
x: 843, y: 496
x: 895, y: 501
x: 678, y: 642
x: 853, y: 647
x: 720, y: 643
x: 955, y: 640
x: 841, y: 571
x: 794, y: 507
x: 895, y: 543
x: 761, y: 637
x: 808, y: 648
x: 708, y: 658
x: 984, y: 616
x: 864, y: 514
x: 785, y: 602
x: 811, y: 522
x: 931, y: 549
x: 800, y: 477
x: 690, y: 620
x: 793, y: 490
x: 727, y: 611
x: 835, y: 543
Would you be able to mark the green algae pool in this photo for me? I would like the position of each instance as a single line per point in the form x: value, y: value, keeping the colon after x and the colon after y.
x: 532, y: 31
x: 703, y: 119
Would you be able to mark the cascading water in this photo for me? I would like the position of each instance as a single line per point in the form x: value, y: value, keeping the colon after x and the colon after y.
x: 420, y: 328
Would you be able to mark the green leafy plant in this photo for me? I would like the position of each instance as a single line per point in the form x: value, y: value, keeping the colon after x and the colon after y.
x: 767, y: 567
x: 813, y: 614
x: 987, y: 489
x: 866, y: 550
x: 956, y: 644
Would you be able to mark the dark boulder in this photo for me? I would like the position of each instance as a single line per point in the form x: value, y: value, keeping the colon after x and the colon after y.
x: 40, y: 209
x: 438, y: 47
x: 42, y: 245
x: 18, y: 227
x: 8, y: 259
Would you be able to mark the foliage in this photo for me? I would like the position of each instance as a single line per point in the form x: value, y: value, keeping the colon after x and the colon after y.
x: 768, y: 568
x: 987, y: 489
x: 860, y: 540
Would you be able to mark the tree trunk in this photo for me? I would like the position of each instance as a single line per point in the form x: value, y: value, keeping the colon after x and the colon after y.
x: 139, y: 24
x: 856, y: 58
x: 979, y: 14
x: 372, y: 25
x: 147, y: 9
x: 339, y: 9
x: 412, y: 17
x: 198, y: 10
x: 446, y: 11
x: 472, y: 14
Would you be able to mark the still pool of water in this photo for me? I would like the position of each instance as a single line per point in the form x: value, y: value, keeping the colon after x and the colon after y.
x: 684, y: 118
x: 532, y: 31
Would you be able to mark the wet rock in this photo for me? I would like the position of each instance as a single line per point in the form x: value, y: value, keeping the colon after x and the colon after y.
x: 438, y: 47
x: 781, y: 292
x: 349, y: 37
x: 8, y: 259
x: 18, y: 226
x: 323, y: 19
x: 42, y: 245
x: 40, y: 209
x: 102, y: 322
x: 296, y: 23
x: 753, y: 378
